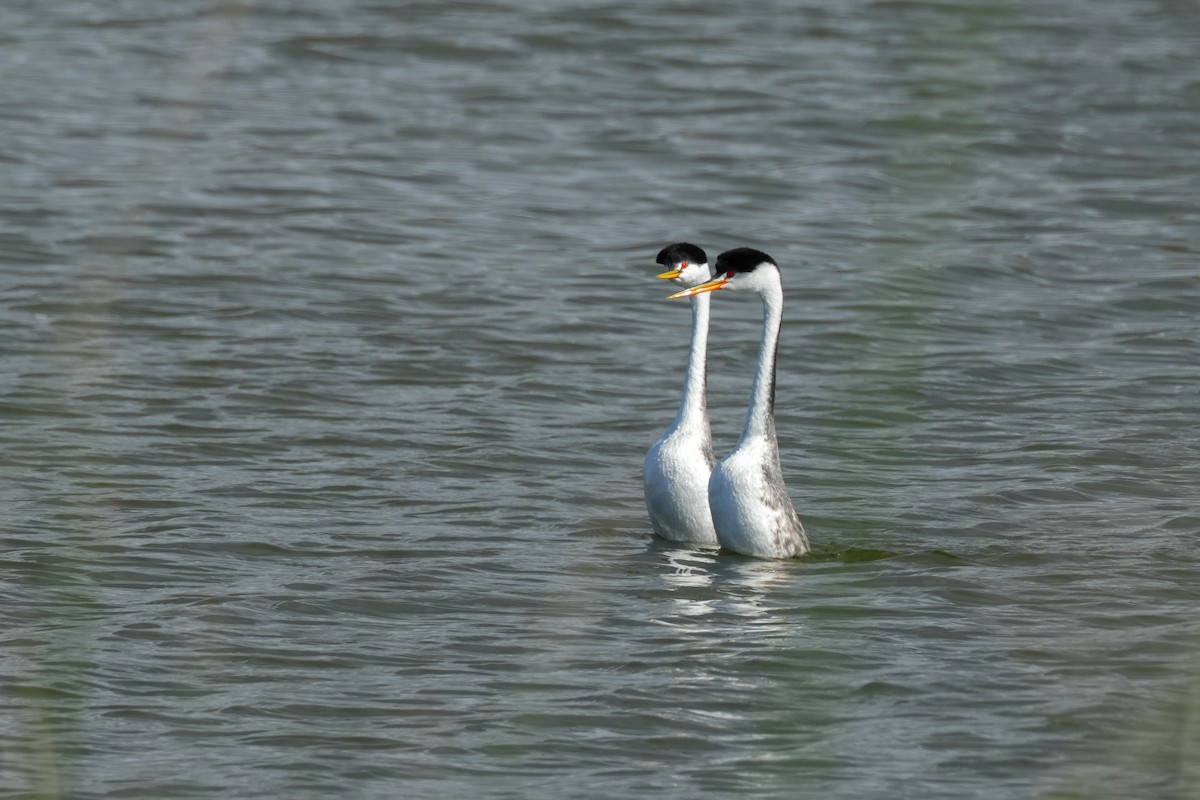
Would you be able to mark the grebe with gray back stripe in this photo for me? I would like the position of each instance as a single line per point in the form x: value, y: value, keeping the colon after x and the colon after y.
x: 751, y: 510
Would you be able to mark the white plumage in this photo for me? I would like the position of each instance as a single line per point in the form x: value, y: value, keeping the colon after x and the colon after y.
x: 679, y: 464
x: 751, y: 511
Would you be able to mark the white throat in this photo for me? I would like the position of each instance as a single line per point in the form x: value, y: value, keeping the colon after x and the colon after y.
x: 760, y: 416
x: 693, y: 408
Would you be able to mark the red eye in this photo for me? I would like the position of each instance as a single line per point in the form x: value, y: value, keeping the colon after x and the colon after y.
x: 683, y: 265
x: 728, y: 275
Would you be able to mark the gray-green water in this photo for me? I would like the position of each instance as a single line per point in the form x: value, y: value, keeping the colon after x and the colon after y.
x: 331, y: 350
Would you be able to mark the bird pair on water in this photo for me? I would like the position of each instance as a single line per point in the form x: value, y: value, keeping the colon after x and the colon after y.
x: 740, y: 503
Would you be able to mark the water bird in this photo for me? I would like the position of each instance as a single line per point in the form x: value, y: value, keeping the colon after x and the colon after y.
x: 751, y: 510
x: 679, y: 463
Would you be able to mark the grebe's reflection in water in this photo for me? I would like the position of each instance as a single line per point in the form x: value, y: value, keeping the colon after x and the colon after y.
x: 704, y: 582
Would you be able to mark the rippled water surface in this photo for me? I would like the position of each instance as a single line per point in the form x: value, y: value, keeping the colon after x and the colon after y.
x: 332, y: 348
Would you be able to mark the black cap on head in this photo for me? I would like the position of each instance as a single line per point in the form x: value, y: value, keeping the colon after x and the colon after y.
x: 742, y: 259
x: 681, y: 252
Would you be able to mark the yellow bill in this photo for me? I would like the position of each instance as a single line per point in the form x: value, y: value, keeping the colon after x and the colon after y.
x: 670, y: 275
x: 701, y: 288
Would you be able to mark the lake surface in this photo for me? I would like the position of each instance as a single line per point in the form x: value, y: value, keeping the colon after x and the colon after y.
x: 332, y: 348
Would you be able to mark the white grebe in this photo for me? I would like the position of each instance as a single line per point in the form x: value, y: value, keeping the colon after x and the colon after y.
x: 678, y: 465
x: 750, y: 506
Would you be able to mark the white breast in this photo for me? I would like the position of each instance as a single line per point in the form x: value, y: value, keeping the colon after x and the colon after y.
x: 676, y: 482
x: 751, y: 510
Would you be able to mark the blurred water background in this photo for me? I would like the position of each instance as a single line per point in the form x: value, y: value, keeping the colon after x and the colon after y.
x: 331, y: 348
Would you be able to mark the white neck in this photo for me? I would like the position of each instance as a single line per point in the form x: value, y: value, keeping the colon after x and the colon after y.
x: 693, y: 408
x: 760, y: 416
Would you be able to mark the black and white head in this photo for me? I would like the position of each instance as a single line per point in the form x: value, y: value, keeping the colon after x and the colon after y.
x: 687, y: 264
x: 742, y: 269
